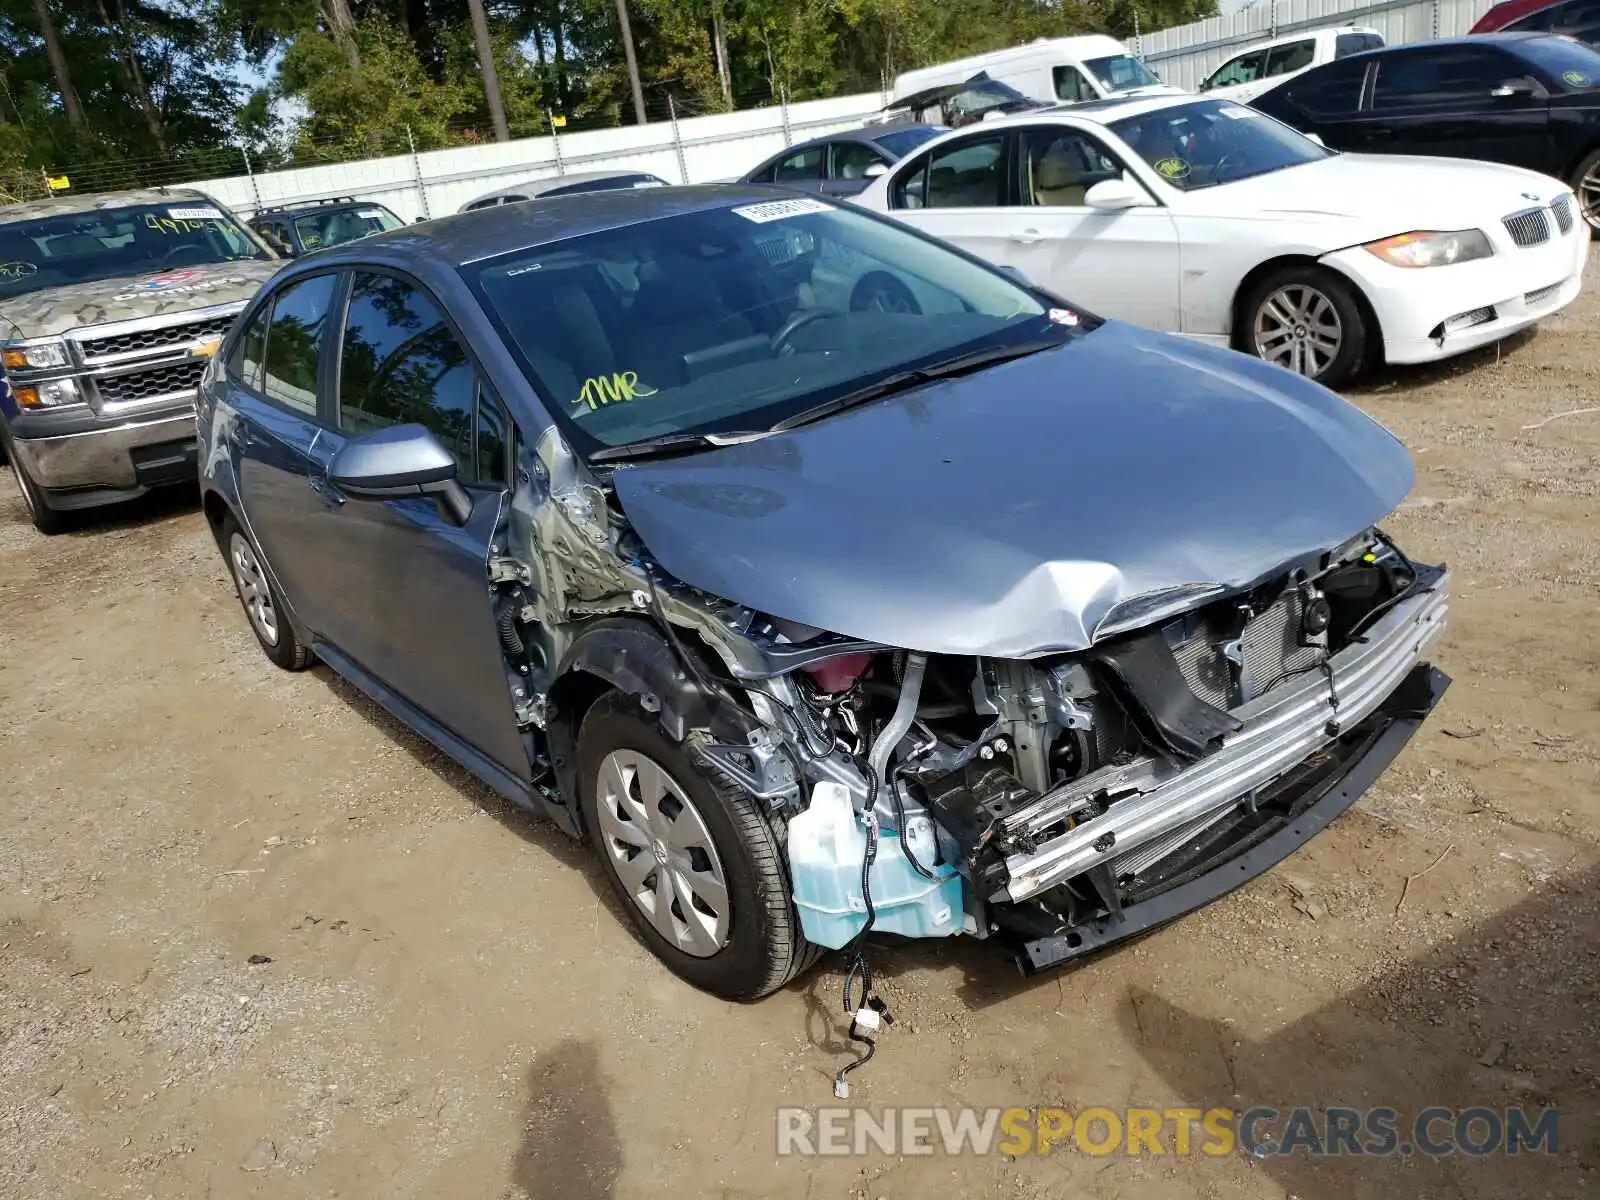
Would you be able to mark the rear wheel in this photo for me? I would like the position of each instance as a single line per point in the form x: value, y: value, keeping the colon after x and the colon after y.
x: 695, y: 862
x: 1306, y: 319
x: 260, y: 600
x: 1586, y: 183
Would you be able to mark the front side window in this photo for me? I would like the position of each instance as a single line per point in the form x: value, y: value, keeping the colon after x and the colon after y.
x: 1295, y: 57
x: 1451, y: 75
x: 114, y: 243
x: 1212, y: 142
x: 294, y: 341
x: 738, y: 317
x: 342, y: 225
x: 1121, y: 73
x: 802, y: 167
x: 401, y: 364
x: 967, y: 174
x: 1071, y: 86
x: 1060, y: 166
x: 850, y: 160
x: 1244, y: 69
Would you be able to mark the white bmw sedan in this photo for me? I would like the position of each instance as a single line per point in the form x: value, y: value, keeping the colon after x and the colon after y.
x: 1208, y: 218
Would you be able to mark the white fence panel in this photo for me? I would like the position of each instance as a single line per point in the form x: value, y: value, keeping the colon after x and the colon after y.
x: 435, y: 183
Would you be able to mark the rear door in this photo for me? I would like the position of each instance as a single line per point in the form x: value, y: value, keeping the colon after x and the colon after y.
x: 1442, y: 101
x: 273, y: 381
x: 961, y: 191
x: 1325, y: 101
x: 410, y: 589
x: 802, y: 170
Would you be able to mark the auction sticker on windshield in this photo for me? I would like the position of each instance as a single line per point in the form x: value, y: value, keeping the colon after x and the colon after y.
x: 1172, y: 168
x: 18, y: 270
x: 201, y: 213
x: 776, y: 210
x: 1575, y: 78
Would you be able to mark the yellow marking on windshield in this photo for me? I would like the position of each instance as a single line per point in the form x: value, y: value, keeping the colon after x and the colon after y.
x: 18, y: 270
x: 600, y: 390
x: 1172, y: 168
x: 172, y: 226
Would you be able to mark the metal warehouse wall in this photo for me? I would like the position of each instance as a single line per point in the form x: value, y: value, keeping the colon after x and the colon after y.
x: 435, y: 183
x: 1186, y: 54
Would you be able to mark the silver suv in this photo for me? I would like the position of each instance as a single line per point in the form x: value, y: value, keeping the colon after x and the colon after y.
x: 110, y: 308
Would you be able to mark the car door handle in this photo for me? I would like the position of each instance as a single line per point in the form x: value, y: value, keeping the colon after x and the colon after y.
x: 241, y: 436
x: 1027, y: 237
x: 326, y: 490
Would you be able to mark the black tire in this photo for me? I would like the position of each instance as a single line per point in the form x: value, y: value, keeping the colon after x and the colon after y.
x: 1338, y: 292
x: 283, y: 647
x: 764, y: 947
x: 46, y: 520
x: 1588, y: 204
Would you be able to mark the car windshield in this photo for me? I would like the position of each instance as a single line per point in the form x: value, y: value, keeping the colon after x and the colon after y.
x: 112, y: 243
x: 1121, y: 72
x: 906, y: 140
x: 1211, y: 142
x: 732, y: 319
x: 342, y: 225
x: 1574, y: 66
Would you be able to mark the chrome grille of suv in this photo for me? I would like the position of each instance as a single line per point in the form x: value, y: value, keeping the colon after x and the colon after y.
x: 153, y: 339
x: 1562, y: 208
x: 1528, y: 228
x: 148, y: 385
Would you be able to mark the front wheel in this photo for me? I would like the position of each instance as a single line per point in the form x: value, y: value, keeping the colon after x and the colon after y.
x: 46, y: 520
x: 1307, y: 320
x: 1586, y: 185
x: 695, y: 862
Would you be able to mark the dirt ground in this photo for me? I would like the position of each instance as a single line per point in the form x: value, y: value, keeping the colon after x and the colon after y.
x: 452, y: 1007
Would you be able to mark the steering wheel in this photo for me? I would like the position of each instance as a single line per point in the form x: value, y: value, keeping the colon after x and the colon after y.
x: 780, y: 340
x: 188, y: 248
x: 1224, y: 161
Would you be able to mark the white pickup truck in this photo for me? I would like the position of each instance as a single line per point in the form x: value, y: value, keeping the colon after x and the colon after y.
x: 1267, y: 64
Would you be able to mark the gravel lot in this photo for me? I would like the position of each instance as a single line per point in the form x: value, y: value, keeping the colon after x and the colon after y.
x: 452, y: 1007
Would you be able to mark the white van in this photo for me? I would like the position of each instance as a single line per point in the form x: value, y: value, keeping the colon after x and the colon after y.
x: 1267, y: 64
x: 1049, y: 69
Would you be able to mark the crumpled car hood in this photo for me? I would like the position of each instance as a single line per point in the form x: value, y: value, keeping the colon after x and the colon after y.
x: 71, y: 306
x: 1007, y: 512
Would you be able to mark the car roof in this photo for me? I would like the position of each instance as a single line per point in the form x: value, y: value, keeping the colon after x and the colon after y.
x: 311, y: 206
x: 1107, y: 110
x: 62, y: 206
x: 461, y: 238
x: 533, y: 188
x: 867, y: 133
x: 1504, y: 40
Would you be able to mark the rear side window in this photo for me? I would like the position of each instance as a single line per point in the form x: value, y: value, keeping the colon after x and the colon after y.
x: 966, y: 174
x: 246, y: 363
x: 851, y: 160
x: 401, y: 363
x: 1354, y: 43
x: 1331, y: 94
x: 1294, y: 57
x: 1441, y: 76
x: 294, y: 341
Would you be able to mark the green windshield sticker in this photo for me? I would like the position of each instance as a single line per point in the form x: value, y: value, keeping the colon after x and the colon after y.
x: 609, y: 389
x: 1575, y: 78
x: 18, y: 270
x: 1172, y: 168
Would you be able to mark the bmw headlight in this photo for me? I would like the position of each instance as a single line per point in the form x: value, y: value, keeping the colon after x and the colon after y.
x: 1425, y: 248
x: 38, y: 356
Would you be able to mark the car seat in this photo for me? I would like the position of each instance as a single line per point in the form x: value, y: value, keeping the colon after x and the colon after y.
x: 1059, y: 176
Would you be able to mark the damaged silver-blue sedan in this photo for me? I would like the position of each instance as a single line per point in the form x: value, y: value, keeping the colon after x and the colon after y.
x: 825, y: 578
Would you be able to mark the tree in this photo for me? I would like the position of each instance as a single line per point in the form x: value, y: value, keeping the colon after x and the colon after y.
x: 491, y: 78
x: 58, y: 62
x: 626, y: 30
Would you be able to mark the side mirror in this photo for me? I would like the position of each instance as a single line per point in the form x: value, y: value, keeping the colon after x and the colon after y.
x: 403, y: 460
x: 1113, y: 195
x: 1317, y: 138
x: 1514, y: 87
x: 874, y: 171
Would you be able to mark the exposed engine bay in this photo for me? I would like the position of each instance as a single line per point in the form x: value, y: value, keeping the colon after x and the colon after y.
x: 1030, y: 800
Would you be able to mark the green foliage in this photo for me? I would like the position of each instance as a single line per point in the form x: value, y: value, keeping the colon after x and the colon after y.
x: 181, y: 85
